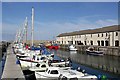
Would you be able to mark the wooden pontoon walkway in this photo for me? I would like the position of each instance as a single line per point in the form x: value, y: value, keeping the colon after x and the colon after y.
x: 12, y: 71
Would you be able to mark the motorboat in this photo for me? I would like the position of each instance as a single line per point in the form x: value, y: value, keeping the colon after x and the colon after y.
x: 60, y: 74
x: 50, y: 73
x: 44, y: 65
x: 53, y: 46
x: 92, y: 51
x: 59, y: 63
x: 72, y: 48
x: 39, y: 67
x: 32, y: 61
x: 71, y: 74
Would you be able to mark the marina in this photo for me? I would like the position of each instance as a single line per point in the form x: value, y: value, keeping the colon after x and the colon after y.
x: 92, y: 54
x: 76, y: 58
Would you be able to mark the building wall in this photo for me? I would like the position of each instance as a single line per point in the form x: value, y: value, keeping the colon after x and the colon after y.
x: 105, y: 39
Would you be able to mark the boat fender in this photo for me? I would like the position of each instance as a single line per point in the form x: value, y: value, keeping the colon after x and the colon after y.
x: 17, y: 61
x: 99, y: 77
x: 103, y: 77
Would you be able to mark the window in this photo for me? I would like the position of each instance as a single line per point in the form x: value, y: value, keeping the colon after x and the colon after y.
x: 85, y: 43
x: 43, y: 66
x: 91, y: 42
x: 116, y: 43
x: 98, y: 35
x: 106, y: 34
x: 48, y: 71
x: 54, y: 72
x: 79, y: 43
x: 91, y: 35
x: 98, y: 43
x: 116, y: 33
x: 106, y: 43
x: 102, y: 43
x: 102, y: 34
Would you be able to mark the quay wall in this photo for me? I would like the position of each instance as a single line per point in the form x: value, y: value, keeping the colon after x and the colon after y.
x: 112, y: 70
x: 113, y: 51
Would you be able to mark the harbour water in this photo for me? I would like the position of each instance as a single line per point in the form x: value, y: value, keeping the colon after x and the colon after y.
x: 2, y: 62
x: 79, y: 58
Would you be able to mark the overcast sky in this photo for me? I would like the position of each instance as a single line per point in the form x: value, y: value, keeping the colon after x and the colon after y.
x: 53, y: 18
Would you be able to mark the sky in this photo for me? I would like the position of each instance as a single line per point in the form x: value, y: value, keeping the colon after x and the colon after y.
x: 60, y: 0
x: 54, y: 18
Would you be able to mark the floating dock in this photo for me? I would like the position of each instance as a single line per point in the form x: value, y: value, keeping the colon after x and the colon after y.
x: 12, y: 70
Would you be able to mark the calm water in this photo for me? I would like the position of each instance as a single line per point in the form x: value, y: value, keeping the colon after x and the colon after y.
x: 2, y: 62
x: 79, y: 58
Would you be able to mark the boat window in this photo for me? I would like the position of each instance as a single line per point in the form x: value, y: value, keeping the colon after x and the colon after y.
x: 42, y: 58
x: 43, y: 65
x: 37, y: 58
x: 54, y: 72
x: 48, y: 71
x: 37, y: 65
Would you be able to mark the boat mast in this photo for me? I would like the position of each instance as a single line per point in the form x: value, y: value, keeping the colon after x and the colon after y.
x: 32, y: 24
x: 26, y: 25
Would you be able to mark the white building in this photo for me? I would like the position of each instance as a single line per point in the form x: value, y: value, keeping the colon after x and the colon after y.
x: 106, y: 36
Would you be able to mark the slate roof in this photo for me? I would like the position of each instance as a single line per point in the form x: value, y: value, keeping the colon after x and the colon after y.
x: 92, y: 31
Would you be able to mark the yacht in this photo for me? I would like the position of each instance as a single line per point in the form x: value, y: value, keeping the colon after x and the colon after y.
x: 92, y: 51
x: 60, y: 74
x: 72, y: 48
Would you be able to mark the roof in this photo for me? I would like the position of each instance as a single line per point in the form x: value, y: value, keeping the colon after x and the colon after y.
x: 92, y: 31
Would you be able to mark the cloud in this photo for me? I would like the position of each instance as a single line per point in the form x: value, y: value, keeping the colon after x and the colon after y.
x: 49, y: 30
x: 107, y: 22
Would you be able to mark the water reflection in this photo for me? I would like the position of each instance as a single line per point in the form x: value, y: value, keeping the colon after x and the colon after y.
x: 73, y: 52
x: 107, y: 63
